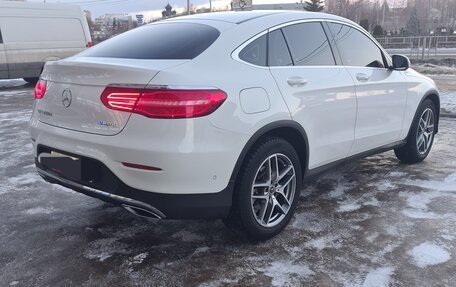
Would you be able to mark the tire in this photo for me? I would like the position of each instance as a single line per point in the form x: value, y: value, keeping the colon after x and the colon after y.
x: 31, y: 80
x: 421, y: 135
x: 248, y: 208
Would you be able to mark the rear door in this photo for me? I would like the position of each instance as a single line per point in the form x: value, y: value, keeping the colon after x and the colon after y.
x: 381, y: 92
x: 3, y: 63
x: 319, y: 94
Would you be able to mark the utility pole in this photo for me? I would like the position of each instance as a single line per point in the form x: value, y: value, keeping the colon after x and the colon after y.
x: 188, y: 7
x: 210, y: 5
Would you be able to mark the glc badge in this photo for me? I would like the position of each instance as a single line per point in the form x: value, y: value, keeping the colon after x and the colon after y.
x: 66, y: 98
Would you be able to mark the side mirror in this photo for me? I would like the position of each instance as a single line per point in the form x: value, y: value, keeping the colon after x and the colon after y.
x: 400, y: 62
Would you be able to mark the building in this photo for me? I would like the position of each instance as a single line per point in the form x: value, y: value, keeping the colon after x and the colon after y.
x: 111, y: 24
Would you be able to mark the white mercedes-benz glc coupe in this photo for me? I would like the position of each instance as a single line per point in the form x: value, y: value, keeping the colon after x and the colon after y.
x: 224, y: 115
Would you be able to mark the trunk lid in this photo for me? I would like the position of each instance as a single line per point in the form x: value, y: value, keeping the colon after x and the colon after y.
x: 74, y: 86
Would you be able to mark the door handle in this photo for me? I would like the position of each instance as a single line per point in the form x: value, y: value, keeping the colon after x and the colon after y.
x: 296, y: 82
x: 362, y: 77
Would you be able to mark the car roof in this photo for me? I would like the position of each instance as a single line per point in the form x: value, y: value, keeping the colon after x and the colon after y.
x: 239, y: 17
x: 235, y: 17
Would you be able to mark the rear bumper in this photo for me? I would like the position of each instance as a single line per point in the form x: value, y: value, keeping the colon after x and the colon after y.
x: 194, y: 157
x: 161, y: 206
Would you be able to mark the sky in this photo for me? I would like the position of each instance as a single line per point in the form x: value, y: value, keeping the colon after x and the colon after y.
x: 100, y: 7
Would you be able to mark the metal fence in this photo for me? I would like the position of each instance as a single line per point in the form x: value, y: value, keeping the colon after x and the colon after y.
x: 423, y: 47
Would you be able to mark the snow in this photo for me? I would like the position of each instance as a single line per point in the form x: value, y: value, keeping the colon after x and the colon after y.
x: 431, y: 69
x: 448, y: 184
x: 138, y: 259
x: 420, y: 214
x: 339, y: 190
x: 24, y: 179
x: 448, y: 237
x: 428, y: 254
x: 323, y: 242
x: 282, y: 272
x: 104, y: 248
x: 12, y: 83
x: 371, y: 237
x: 358, y: 225
x: 372, y: 202
x: 40, y: 210
x: 379, y: 277
x: 448, y: 101
x: 201, y: 250
x: 383, y: 185
x: 418, y: 202
x: 348, y: 205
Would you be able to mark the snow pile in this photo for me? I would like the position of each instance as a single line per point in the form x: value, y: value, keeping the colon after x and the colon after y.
x: 138, y: 259
x: 427, y: 254
x: 323, y: 242
x: 283, y: 272
x: 432, y: 69
x: 12, y: 83
x: 378, y: 277
x: 448, y: 101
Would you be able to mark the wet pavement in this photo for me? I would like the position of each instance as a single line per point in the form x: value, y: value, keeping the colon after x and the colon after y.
x: 374, y: 222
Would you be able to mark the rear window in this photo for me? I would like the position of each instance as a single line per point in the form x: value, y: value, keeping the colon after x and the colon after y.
x: 159, y: 41
x: 255, y: 52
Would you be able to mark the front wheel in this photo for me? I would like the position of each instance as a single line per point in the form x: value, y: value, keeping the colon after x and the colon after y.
x: 421, y: 136
x: 267, y: 189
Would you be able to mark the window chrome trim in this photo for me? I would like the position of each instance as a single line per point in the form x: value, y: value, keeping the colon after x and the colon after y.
x: 235, y: 53
x: 368, y: 35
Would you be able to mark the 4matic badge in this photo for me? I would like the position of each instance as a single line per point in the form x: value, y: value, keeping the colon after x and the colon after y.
x: 107, y: 124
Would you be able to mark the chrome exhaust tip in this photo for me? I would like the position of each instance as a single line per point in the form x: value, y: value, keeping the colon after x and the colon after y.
x: 141, y: 212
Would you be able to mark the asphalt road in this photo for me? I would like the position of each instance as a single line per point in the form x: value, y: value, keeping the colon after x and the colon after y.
x: 374, y: 222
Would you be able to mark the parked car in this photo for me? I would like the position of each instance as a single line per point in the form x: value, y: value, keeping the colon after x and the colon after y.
x: 224, y: 115
x: 33, y: 33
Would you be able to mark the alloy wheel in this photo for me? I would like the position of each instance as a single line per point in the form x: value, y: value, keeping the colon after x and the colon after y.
x: 425, y: 132
x: 273, y: 190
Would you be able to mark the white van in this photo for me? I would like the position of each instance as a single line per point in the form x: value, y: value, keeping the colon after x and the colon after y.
x: 33, y: 33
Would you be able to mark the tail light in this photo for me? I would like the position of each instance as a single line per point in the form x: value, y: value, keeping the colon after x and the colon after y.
x: 40, y: 89
x: 89, y: 44
x: 160, y: 103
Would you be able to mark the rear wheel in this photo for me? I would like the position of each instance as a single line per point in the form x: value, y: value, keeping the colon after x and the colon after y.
x: 421, y: 136
x: 267, y: 190
x: 31, y: 80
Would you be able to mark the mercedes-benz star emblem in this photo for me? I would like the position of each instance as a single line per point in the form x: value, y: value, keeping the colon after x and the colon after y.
x: 66, y: 98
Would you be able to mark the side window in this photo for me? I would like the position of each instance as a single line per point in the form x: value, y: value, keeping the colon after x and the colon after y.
x: 309, y: 45
x: 278, y: 53
x: 355, y: 48
x: 255, y: 52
